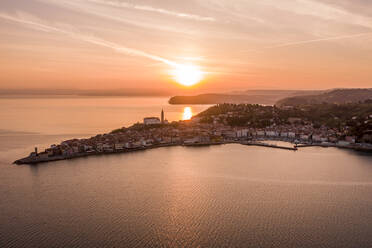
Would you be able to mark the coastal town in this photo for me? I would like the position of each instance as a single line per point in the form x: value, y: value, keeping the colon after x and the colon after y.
x: 214, y: 126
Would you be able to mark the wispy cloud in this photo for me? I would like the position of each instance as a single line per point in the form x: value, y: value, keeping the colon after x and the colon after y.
x: 320, y: 40
x: 321, y: 10
x: 29, y: 21
x: 82, y: 7
x: 153, y: 9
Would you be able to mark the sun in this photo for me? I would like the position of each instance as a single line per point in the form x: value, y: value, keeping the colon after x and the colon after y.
x: 187, y: 74
x: 187, y: 113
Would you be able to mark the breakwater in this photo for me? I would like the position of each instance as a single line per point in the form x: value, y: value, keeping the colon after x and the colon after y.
x: 294, y: 148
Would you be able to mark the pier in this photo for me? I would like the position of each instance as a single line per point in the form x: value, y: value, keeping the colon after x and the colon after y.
x: 294, y: 148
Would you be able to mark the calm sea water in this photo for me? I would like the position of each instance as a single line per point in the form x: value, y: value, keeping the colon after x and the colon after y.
x: 221, y: 196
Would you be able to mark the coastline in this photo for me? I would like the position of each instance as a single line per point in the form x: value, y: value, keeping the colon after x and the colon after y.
x: 32, y: 160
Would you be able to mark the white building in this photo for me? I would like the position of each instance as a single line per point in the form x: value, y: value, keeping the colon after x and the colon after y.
x: 242, y: 133
x: 260, y: 133
x: 271, y: 133
x: 245, y: 132
x: 107, y: 148
x: 283, y: 134
x: 239, y: 133
x: 343, y: 143
x: 291, y: 135
x: 317, y: 138
x: 119, y: 146
x: 151, y: 120
x: 88, y: 148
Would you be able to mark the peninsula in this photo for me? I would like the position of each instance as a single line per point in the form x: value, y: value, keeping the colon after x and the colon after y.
x: 326, y: 125
x: 264, y: 97
x: 279, y: 97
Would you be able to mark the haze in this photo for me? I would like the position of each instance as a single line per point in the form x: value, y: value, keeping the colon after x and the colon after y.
x: 110, y: 44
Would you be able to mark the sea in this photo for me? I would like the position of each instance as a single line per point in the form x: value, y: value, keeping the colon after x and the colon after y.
x: 218, y: 196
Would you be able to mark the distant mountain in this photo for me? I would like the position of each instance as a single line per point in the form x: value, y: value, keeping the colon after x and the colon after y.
x: 264, y: 97
x: 338, y: 96
x: 210, y: 99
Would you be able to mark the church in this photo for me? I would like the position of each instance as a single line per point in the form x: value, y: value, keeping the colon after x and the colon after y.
x: 155, y: 120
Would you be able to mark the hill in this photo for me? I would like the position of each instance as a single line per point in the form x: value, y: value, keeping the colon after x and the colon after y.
x: 264, y: 97
x: 338, y: 96
x: 351, y: 119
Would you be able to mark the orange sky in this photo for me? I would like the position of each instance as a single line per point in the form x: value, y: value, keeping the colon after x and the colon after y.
x: 239, y: 44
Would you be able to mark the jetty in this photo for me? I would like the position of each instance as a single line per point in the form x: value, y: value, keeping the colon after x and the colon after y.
x: 294, y: 148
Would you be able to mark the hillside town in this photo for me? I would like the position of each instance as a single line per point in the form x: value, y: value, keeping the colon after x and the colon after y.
x: 207, y: 128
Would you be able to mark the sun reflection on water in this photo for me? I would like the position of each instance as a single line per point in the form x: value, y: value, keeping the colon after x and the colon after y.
x: 187, y: 113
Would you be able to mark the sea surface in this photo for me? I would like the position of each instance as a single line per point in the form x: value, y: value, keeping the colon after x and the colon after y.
x: 220, y: 196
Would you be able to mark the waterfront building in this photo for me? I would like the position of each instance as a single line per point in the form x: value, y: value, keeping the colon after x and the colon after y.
x: 119, y: 146
x: 316, y: 138
x: 284, y: 134
x: 245, y: 132
x: 343, y: 143
x: 291, y: 135
x: 260, y: 133
x: 239, y: 133
x: 162, y: 116
x: 107, y: 148
x: 271, y: 133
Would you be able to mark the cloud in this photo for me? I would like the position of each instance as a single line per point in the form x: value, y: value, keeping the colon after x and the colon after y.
x: 319, y: 40
x: 108, y: 14
x: 28, y: 20
x: 321, y: 10
x: 152, y: 9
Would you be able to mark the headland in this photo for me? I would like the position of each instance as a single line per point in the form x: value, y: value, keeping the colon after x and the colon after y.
x: 346, y: 126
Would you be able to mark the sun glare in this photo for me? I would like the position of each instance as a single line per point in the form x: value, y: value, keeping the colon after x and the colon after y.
x: 187, y: 113
x: 187, y: 74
